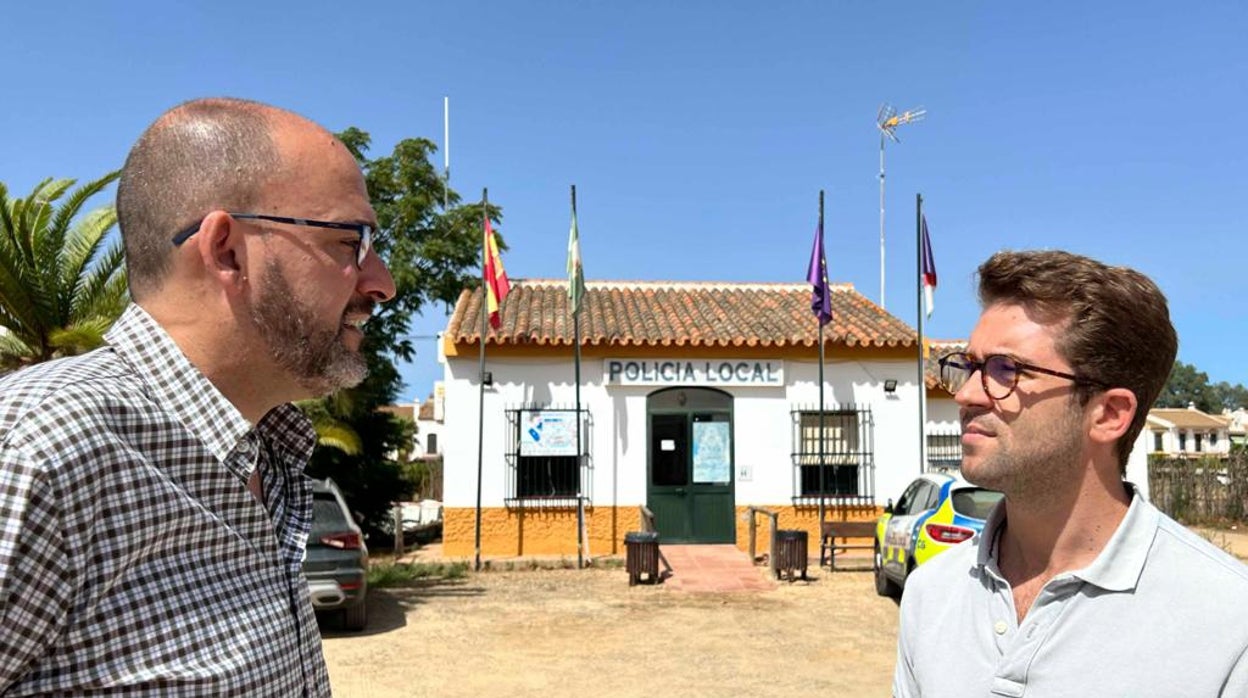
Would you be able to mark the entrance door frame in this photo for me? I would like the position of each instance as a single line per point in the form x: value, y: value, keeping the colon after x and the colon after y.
x: 717, y: 498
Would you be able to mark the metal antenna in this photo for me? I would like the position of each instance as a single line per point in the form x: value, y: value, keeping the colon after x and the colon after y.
x: 887, y: 120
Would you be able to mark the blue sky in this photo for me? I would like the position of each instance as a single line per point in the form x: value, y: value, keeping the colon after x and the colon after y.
x: 699, y: 133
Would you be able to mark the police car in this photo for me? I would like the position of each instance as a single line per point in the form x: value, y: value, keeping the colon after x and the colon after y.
x: 935, y: 512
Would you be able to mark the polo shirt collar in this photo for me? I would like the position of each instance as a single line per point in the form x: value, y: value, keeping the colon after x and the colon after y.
x: 175, y: 384
x: 1119, y: 565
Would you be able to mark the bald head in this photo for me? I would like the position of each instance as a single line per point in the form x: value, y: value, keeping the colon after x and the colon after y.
x: 201, y: 156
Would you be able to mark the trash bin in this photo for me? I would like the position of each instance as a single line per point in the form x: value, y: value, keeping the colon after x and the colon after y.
x: 642, y: 556
x: 789, y: 550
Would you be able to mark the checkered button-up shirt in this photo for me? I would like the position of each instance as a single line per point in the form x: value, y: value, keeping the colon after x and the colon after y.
x: 133, y: 558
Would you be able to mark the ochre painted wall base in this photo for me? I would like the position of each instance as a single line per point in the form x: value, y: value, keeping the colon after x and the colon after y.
x: 552, y: 531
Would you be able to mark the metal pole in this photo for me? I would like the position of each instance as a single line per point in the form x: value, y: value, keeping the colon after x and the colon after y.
x: 446, y: 151
x: 882, y: 306
x: 580, y: 498
x: 823, y: 490
x: 485, y: 312
x: 918, y: 235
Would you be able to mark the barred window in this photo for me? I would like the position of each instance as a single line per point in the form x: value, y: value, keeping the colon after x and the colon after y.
x: 833, y: 455
x: 547, y: 476
x: 944, y: 450
x: 545, y: 466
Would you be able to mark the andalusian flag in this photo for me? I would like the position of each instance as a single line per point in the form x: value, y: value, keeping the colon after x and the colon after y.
x: 494, y: 276
x: 929, y: 268
x: 576, y: 275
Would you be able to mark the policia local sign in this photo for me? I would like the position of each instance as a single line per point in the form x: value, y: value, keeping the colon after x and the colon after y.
x: 732, y: 372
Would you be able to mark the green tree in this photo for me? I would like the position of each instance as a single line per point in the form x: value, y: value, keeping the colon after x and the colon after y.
x: 1187, y: 385
x: 61, y: 283
x: 432, y: 253
x: 1231, y: 396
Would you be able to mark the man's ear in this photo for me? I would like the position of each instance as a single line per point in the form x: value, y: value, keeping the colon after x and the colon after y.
x: 1113, y: 411
x: 222, y: 249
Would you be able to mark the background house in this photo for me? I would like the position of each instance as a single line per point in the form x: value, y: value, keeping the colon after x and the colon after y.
x: 1187, y: 432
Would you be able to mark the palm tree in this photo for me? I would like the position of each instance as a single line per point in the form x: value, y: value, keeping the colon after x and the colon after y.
x: 61, y: 283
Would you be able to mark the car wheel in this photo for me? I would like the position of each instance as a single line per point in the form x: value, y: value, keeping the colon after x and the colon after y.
x: 883, y: 585
x: 355, y: 617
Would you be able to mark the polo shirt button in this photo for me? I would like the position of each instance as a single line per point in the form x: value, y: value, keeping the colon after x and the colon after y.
x: 1000, y: 627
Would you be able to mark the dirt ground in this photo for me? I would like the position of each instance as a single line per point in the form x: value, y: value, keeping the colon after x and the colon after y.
x: 565, y: 632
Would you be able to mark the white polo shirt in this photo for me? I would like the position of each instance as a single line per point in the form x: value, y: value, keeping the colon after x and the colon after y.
x: 1160, y: 612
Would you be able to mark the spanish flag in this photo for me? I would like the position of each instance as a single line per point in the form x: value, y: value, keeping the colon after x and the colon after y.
x: 928, y: 278
x: 494, y: 276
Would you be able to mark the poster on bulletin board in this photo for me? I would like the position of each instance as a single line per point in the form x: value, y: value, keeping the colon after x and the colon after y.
x: 711, y: 454
x: 548, y: 433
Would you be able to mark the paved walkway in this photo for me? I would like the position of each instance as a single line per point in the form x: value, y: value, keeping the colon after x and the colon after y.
x: 714, y: 568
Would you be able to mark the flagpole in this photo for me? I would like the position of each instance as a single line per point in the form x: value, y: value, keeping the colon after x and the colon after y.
x: 580, y: 499
x: 918, y: 234
x: 446, y: 154
x: 485, y: 312
x: 822, y: 465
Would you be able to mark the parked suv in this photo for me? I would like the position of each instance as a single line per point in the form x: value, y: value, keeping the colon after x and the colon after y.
x: 336, y: 563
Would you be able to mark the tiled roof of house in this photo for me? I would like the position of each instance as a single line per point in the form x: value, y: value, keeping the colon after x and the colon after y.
x: 400, y: 411
x: 426, y: 409
x: 937, y: 348
x: 668, y: 313
x: 1188, y: 418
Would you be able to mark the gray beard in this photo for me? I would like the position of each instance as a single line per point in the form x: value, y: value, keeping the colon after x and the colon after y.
x: 316, y: 358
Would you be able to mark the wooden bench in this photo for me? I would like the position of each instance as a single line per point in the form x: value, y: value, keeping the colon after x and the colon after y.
x: 831, y: 531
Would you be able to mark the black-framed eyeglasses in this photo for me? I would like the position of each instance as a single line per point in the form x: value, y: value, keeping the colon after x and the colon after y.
x: 363, y: 243
x: 998, y: 373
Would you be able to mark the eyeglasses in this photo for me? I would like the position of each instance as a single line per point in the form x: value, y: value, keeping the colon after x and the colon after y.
x: 998, y: 372
x: 363, y: 244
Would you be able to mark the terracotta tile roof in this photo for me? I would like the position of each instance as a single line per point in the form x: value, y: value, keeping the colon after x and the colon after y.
x: 931, y: 369
x: 400, y: 411
x: 671, y: 313
x: 426, y: 409
x: 1187, y: 418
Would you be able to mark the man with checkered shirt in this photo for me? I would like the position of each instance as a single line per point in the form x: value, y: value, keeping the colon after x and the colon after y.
x: 153, y: 504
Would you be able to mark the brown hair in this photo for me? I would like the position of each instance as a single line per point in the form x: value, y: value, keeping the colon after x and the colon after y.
x: 1117, y: 323
x: 200, y: 156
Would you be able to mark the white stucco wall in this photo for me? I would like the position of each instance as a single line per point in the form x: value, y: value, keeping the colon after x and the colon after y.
x: 1137, y: 462
x: 617, y: 438
x: 425, y: 428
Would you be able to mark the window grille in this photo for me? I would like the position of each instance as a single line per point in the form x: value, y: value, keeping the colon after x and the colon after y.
x: 845, y: 473
x: 944, y: 450
x: 550, y: 477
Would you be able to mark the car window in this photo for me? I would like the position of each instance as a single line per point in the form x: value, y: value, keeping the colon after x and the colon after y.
x: 327, y: 514
x: 921, y: 498
x: 907, y: 498
x: 932, y: 498
x: 974, y: 502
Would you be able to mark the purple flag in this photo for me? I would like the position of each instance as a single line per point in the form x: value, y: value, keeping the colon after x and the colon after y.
x: 817, y: 275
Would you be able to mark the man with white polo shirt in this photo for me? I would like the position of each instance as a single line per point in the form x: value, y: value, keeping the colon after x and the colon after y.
x: 1077, y: 585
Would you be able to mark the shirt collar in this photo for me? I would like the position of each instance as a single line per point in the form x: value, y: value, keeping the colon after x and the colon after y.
x: 1118, y: 566
x: 177, y: 386
x: 987, y: 554
x: 1121, y: 562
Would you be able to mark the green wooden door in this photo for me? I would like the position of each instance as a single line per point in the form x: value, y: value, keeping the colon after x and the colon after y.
x: 690, y: 465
